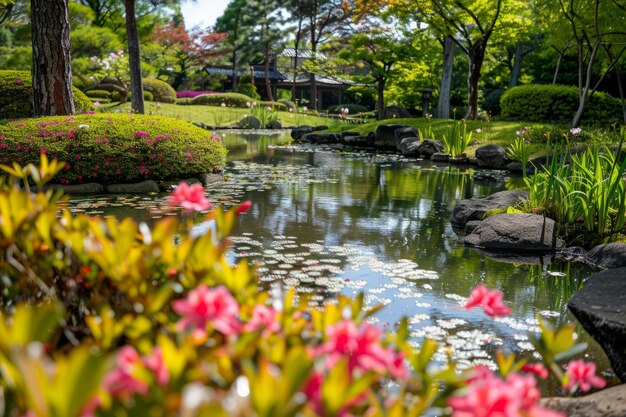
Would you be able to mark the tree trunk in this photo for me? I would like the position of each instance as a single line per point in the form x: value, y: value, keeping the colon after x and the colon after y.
x: 443, y: 105
x: 517, y: 64
x: 235, y: 36
x: 268, y: 85
x: 381, y: 99
x: 295, y: 60
x: 556, y: 69
x: 51, y: 70
x: 476, y: 55
x: 134, y: 58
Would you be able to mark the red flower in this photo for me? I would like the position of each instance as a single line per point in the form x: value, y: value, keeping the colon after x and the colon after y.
x: 203, y: 306
x: 536, y: 369
x: 244, y: 207
x: 156, y: 364
x: 263, y: 318
x: 491, y: 300
x: 583, y: 375
x: 190, y: 197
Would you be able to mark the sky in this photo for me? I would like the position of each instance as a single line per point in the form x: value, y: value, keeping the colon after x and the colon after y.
x: 203, y: 12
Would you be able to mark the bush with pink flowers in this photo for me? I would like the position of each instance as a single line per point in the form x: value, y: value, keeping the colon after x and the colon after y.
x: 113, y: 148
x: 100, y: 317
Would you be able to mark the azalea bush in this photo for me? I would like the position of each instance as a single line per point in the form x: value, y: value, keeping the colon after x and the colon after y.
x: 110, y: 148
x: 102, y: 317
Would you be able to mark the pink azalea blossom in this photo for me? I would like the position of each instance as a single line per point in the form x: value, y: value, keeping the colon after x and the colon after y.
x: 495, y: 397
x: 190, y: 197
x: 156, y: 364
x: 362, y: 348
x: 244, y: 207
x: 263, y: 318
x: 121, y: 381
x: 491, y: 301
x: 583, y: 375
x: 206, y: 305
x: 536, y: 369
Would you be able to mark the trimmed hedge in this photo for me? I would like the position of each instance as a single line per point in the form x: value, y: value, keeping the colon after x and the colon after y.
x: 113, y: 148
x: 557, y: 103
x: 230, y: 99
x: 147, y: 96
x: 161, y: 91
x: 98, y: 94
x: 274, y: 105
x: 289, y: 104
x: 16, y: 96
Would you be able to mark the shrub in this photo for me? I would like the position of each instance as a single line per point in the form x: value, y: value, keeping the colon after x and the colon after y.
x: 275, y: 105
x: 248, y: 89
x: 365, y: 96
x: 184, y: 101
x: 147, y: 96
x: 115, y: 96
x: 492, y: 102
x: 98, y: 94
x: 288, y: 104
x: 352, y: 109
x: 161, y: 91
x: 16, y: 96
x: 230, y: 99
x: 192, y: 94
x: 557, y: 103
x: 114, y: 148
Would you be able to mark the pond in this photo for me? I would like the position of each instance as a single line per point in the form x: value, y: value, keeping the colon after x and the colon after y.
x: 329, y: 222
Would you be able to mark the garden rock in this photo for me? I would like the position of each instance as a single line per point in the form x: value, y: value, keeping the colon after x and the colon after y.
x: 475, y: 208
x: 610, y: 402
x: 491, y: 156
x: 385, y: 135
x: 322, y: 138
x: 405, y: 132
x: 318, y: 128
x: 143, y: 187
x: 349, y: 134
x: 88, y: 188
x: 299, y: 131
x: 170, y: 185
x: 410, y: 146
x: 608, y: 256
x: 460, y: 160
x: 211, y: 178
x: 601, y: 308
x: 519, y: 232
x: 430, y: 147
x: 274, y: 124
x: 249, y: 122
x: 360, y: 141
x: 440, y: 157
x: 470, y: 226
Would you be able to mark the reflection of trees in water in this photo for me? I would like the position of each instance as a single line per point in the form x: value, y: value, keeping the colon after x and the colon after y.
x: 555, y: 284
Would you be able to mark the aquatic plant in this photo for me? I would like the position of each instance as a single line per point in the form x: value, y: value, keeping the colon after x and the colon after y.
x: 457, y: 139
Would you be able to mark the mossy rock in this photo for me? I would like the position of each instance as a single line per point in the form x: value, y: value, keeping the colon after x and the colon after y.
x: 16, y: 96
x: 113, y: 148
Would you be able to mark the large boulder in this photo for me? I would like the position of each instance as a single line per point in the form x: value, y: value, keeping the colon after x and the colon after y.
x: 321, y: 138
x: 275, y: 124
x: 519, y: 232
x: 601, y: 308
x: 475, y: 208
x: 250, y: 122
x: 300, y: 131
x: 143, y: 187
x: 430, y: 147
x: 405, y: 132
x: 608, y: 256
x: 75, y: 189
x: 386, y: 135
x: 360, y: 141
x: 491, y: 156
x: 410, y: 146
x: 610, y: 402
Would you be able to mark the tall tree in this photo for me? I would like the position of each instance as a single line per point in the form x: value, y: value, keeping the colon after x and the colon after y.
x: 237, y: 23
x: 134, y: 58
x: 51, y: 70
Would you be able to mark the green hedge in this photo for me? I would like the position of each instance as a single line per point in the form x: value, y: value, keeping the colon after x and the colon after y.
x: 98, y: 94
x: 274, y: 105
x: 147, y: 96
x: 557, y: 103
x: 353, y: 108
x: 113, y: 148
x: 289, y: 104
x: 230, y: 99
x: 16, y: 96
x: 248, y: 89
x: 161, y: 91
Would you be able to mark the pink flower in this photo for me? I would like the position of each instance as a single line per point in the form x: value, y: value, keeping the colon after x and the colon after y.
x: 203, y: 306
x: 18, y: 81
x: 491, y: 300
x: 244, y: 207
x: 583, y: 375
x: 121, y: 380
x: 494, y: 397
x: 156, y: 364
x: 536, y: 369
x: 263, y: 318
x: 362, y: 348
x: 190, y: 197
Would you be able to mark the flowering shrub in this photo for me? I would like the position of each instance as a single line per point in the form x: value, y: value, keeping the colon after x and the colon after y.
x: 113, y: 148
x: 100, y: 317
x: 16, y: 95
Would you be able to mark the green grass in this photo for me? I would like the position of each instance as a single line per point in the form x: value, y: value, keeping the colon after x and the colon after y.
x: 212, y: 115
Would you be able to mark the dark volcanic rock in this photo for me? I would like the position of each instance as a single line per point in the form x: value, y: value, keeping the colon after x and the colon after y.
x: 349, y: 134
x: 430, y: 147
x: 440, y: 157
x: 601, y: 308
x: 274, y: 124
x: 143, y: 187
x: 322, y: 138
x: 475, y: 208
x: 410, y: 146
x: 405, y: 132
x: 363, y: 141
x: 608, y: 256
x: 610, y: 402
x: 88, y: 188
x: 385, y: 135
x: 249, y: 122
x: 299, y: 131
x: 491, y: 156
x: 518, y: 232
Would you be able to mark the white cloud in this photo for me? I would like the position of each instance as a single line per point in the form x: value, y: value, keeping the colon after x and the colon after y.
x: 203, y: 13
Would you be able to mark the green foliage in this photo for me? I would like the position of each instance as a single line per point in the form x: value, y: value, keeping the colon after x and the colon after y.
x: 457, y: 139
x: 160, y: 90
x: 289, y: 105
x: 147, y: 96
x: 276, y: 105
x: 352, y: 109
x: 492, y: 102
x: 98, y: 94
x: 365, y: 96
x: 229, y: 99
x: 266, y: 114
x: 519, y: 151
x: 17, y: 96
x: 248, y: 89
x: 114, y: 148
x: 557, y: 103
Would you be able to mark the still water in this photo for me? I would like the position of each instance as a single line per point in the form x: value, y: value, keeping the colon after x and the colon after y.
x: 329, y: 222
